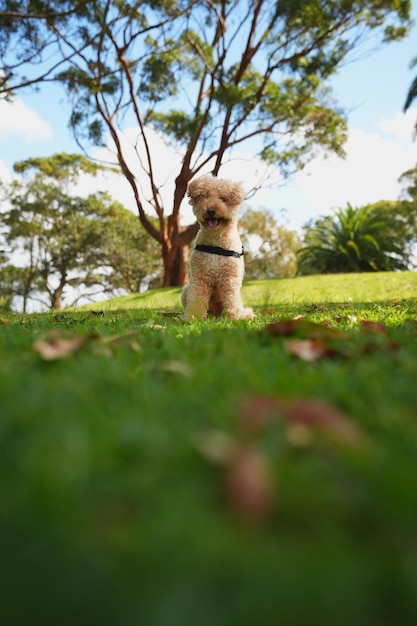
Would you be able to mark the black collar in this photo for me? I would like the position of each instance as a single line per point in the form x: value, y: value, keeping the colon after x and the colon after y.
x: 220, y: 251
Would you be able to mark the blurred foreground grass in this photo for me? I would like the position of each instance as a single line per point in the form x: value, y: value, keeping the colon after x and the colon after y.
x: 216, y: 473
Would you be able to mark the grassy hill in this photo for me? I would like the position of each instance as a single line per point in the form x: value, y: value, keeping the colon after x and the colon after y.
x: 223, y: 473
x: 334, y: 288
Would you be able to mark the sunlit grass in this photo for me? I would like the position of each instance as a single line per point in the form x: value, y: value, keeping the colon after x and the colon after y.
x: 373, y: 287
x: 118, y: 505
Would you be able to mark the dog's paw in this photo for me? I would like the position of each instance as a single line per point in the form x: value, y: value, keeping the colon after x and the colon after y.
x: 247, y: 314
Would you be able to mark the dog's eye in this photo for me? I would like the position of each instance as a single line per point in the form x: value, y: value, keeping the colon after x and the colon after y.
x: 223, y: 199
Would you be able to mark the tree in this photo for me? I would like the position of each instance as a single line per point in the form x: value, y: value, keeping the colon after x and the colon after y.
x: 353, y: 240
x: 407, y: 206
x: 69, y: 241
x: 8, y: 276
x: 270, y: 249
x: 211, y: 75
x: 132, y: 259
x: 412, y: 92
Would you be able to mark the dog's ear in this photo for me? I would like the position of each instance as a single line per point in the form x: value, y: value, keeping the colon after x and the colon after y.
x: 236, y: 193
x: 196, y: 187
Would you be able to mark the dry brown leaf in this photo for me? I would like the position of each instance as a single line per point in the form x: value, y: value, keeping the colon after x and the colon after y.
x: 320, y: 416
x: 267, y: 312
x: 123, y: 340
x: 256, y: 412
x: 347, y: 319
x: 4, y: 320
x: 304, y: 328
x: 372, y: 328
x: 303, y: 417
x: 54, y: 346
x: 314, y: 308
x: 310, y: 349
x: 151, y: 324
x: 248, y: 485
x: 176, y: 367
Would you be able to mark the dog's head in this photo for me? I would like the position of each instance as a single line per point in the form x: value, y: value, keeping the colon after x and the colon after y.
x: 215, y: 201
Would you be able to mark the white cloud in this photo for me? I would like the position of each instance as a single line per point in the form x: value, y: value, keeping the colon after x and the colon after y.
x: 5, y: 174
x: 369, y: 173
x: 23, y: 122
x: 401, y: 126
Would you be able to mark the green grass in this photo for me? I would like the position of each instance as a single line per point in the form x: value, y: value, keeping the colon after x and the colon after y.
x: 327, y: 288
x: 117, y: 504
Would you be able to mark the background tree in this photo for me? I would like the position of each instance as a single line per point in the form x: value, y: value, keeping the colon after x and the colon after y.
x: 270, y: 249
x: 353, y: 240
x: 131, y: 258
x: 211, y: 75
x: 25, y: 22
x: 407, y: 207
x: 8, y: 283
x: 412, y: 92
x: 69, y: 241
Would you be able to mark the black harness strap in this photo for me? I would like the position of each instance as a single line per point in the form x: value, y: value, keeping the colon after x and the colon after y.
x: 220, y: 251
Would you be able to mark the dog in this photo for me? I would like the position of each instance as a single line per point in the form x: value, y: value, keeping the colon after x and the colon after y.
x: 216, y: 263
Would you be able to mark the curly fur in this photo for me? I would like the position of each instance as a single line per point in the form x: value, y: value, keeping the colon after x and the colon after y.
x: 215, y: 281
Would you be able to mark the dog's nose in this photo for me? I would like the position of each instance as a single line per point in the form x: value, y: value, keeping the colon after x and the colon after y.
x: 211, y: 212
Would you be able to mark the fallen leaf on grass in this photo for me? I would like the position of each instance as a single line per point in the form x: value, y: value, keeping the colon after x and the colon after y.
x: 4, y: 320
x: 54, y: 346
x: 255, y: 412
x: 303, y: 416
x: 248, y: 485
x: 175, y: 367
x: 314, y: 308
x: 311, y: 349
x: 310, y: 341
x: 151, y: 324
x: 245, y: 472
x: 267, y: 312
x: 123, y: 340
x: 315, y: 415
x: 245, y: 469
x: 304, y: 328
x: 372, y: 328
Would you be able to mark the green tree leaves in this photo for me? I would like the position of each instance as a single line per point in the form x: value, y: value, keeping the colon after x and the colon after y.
x: 365, y: 239
x: 270, y: 248
x: 67, y: 241
x: 213, y: 76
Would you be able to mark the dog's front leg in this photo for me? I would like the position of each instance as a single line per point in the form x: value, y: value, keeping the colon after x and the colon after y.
x: 232, y: 303
x: 197, y: 301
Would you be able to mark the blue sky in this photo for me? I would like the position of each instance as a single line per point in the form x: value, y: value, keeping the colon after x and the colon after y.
x: 371, y: 87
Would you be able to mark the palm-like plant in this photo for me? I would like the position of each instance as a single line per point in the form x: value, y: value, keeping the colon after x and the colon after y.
x: 353, y: 240
x: 412, y: 92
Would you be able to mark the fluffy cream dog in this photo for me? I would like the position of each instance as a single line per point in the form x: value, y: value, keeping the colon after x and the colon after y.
x: 216, y: 263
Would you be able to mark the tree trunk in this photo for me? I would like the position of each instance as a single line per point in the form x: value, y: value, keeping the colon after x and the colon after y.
x: 175, y: 251
x: 175, y: 259
x: 56, y: 294
x: 56, y: 299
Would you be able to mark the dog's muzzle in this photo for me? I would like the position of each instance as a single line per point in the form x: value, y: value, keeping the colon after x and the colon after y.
x: 211, y: 220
